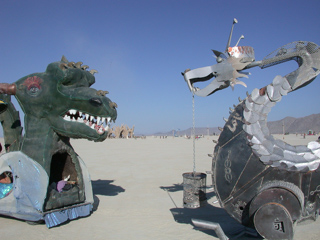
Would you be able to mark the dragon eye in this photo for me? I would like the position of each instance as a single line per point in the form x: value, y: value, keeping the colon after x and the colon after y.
x: 34, y: 89
x: 33, y: 85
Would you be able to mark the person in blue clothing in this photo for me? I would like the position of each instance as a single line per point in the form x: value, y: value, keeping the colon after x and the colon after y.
x: 5, y: 184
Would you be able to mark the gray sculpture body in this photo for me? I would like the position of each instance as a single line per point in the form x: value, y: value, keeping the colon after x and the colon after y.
x: 258, y: 180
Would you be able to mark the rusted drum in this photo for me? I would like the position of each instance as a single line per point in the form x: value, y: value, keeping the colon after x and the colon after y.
x: 273, y: 221
x: 194, y: 189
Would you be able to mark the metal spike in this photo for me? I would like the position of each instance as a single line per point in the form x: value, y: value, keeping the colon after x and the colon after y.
x: 102, y: 93
x: 92, y: 71
x: 226, y: 120
x: 242, y: 37
x: 247, y: 94
x: 84, y: 67
x: 63, y: 66
x: 71, y: 64
x: 63, y: 59
x: 210, y: 155
x: 217, y: 53
x: 214, y: 141
x: 221, y: 129
x: 239, y: 99
x: 113, y: 105
x: 78, y: 64
x: 232, y: 110
x: 229, y: 40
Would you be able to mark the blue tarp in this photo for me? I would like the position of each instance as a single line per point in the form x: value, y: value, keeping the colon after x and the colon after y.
x: 58, y: 217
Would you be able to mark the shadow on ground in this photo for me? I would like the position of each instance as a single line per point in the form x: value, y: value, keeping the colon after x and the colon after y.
x: 174, y: 188
x: 105, y: 188
x: 231, y: 228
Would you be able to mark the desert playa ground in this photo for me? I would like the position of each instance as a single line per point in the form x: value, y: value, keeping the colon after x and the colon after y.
x: 137, y: 186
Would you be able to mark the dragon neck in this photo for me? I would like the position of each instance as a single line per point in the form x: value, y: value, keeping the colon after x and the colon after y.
x: 47, y: 142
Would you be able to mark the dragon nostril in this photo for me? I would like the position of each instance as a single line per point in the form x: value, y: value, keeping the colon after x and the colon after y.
x: 95, y: 102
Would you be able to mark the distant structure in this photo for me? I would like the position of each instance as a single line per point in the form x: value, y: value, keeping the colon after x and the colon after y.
x: 121, y: 132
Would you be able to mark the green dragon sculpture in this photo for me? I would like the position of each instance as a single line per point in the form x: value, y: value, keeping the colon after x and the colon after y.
x: 58, y: 105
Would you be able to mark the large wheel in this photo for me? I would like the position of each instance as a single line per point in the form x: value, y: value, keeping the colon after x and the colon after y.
x: 273, y: 221
x: 284, y: 193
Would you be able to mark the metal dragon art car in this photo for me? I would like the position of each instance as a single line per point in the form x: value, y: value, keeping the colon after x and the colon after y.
x: 258, y: 180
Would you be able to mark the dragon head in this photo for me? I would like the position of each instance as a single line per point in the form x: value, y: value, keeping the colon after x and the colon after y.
x: 62, y: 97
x: 226, y: 72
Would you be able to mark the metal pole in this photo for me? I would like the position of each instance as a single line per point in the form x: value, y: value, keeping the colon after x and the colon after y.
x: 194, y: 136
x: 212, y: 226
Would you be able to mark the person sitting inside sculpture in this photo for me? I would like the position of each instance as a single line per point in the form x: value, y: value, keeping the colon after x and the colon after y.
x: 63, y: 185
x: 5, y: 184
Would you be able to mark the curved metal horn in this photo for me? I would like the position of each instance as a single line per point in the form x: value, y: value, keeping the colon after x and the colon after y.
x: 7, y: 88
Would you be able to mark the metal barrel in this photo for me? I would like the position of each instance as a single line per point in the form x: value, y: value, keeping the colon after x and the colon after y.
x: 194, y: 189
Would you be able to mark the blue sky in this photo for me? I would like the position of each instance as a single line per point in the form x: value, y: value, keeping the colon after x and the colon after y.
x: 141, y: 47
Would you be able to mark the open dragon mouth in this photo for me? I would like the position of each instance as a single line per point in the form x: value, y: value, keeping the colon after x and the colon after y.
x: 100, y: 124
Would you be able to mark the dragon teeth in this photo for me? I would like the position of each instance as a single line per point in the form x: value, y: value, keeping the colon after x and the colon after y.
x: 94, y: 122
x: 67, y: 118
x: 72, y: 111
x: 100, y: 130
x: 98, y: 120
